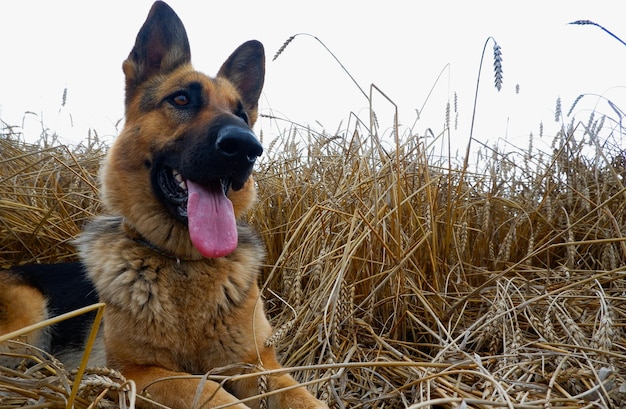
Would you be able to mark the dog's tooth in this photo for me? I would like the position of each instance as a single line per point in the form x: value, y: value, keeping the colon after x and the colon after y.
x: 225, y: 185
x: 179, y: 179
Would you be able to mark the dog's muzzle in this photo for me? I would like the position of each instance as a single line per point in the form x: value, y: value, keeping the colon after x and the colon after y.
x: 228, y: 153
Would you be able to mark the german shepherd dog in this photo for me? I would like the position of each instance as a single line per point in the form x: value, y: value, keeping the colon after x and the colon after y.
x: 177, y: 271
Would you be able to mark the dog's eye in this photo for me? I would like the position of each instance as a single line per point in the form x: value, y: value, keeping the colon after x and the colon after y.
x: 180, y: 99
x: 241, y: 113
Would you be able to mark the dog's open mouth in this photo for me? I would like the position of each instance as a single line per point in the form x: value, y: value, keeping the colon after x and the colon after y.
x: 206, y: 209
x: 176, y: 191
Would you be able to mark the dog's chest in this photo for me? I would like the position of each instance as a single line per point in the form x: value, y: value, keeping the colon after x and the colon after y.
x: 194, y: 317
x: 170, y: 293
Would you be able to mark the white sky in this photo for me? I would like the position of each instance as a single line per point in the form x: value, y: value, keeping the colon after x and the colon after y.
x: 401, y: 46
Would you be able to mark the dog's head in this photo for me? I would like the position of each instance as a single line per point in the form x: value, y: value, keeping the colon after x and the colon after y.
x: 179, y: 173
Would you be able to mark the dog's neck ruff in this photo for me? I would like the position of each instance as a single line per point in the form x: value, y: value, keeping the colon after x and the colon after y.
x: 160, y: 251
x: 138, y: 238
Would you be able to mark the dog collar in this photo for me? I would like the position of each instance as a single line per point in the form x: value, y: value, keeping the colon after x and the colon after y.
x: 160, y: 251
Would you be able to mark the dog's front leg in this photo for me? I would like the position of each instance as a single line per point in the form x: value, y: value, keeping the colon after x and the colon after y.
x: 172, y: 389
x: 298, y: 398
x: 291, y: 395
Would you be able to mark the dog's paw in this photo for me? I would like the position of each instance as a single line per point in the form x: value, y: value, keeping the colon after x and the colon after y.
x: 298, y: 398
x: 308, y: 405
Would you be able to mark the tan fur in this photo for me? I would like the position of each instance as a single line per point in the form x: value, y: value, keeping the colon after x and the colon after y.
x: 30, y: 309
x: 169, y: 310
x: 21, y: 305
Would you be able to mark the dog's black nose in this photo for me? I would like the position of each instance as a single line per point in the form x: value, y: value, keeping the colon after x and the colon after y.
x: 238, y: 144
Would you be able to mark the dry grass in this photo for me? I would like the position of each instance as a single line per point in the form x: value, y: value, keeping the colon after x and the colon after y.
x: 47, y: 191
x: 47, y: 383
x: 394, y: 279
x: 417, y: 282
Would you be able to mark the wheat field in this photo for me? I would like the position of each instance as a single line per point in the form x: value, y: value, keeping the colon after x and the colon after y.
x: 395, y: 278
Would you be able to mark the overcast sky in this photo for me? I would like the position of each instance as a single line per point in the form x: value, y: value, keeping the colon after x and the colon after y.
x: 400, y: 46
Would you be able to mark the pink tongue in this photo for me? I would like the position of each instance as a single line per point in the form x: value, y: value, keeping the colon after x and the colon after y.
x: 211, y: 220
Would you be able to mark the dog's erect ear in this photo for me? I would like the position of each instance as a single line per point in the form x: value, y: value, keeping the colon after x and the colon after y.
x: 245, y: 69
x: 161, y: 46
